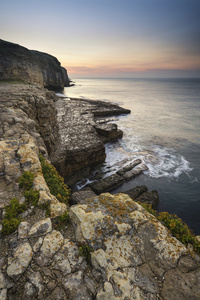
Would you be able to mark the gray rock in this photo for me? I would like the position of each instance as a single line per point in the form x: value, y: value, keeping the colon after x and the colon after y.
x: 129, y: 167
x: 38, y: 245
x: 107, y: 184
x: 29, y: 290
x: 74, y: 286
x: 149, y: 198
x: 3, y: 284
x: 41, y: 228
x: 136, y: 192
x: 20, y: 261
x: 23, y: 230
x: 78, y: 197
x: 36, y: 280
x: 51, y: 244
x: 3, y: 294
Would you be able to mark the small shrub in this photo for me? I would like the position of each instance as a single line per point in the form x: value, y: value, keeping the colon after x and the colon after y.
x: 61, y: 221
x: 10, y: 225
x: 149, y: 208
x: 14, y: 209
x: 32, y: 197
x: 85, y: 250
x: 12, y: 220
x: 26, y: 180
x: 46, y: 207
x: 54, y: 181
x: 179, y: 229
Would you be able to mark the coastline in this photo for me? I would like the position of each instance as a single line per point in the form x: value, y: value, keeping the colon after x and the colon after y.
x: 112, y: 246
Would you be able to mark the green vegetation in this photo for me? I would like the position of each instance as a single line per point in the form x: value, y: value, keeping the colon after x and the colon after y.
x: 177, y: 227
x: 12, y: 219
x: 61, y: 221
x: 54, y: 181
x: 26, y: 180
x: 12, y: 81
x: 32, y: 197
x: 85, y: 250
x: 46, y: 207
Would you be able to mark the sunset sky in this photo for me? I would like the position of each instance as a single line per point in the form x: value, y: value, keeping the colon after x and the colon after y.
x: 109, y: 38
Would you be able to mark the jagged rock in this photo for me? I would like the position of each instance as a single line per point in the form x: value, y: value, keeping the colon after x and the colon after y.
x: 78, y: 197
x: 20, y: 261
x: 108, y: 132
x: 36, y: 280
x: 134, y: 172
x: 133, y: 250
x: 149, y: 198
x: 106, y: 184
x: 2, y: 281
x: 23, y: 230
x: 31, y: 66
x: 74, y: 284
x: 129, y: 167
x: 41, y: 228
x: 81, y: 147
x: 38, y: 245
x: 51, y: 244
x: 3, y: 294
x: 136, y: 192
x: 29, y: 290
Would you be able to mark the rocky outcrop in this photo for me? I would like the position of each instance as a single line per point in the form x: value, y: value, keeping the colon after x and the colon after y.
x: 133, y: 256
x: 134, y: 253
x: 17, y: 62
x: 82, y: 141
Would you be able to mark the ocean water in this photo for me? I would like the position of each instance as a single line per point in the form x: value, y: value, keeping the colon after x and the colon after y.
x: 163, y: 130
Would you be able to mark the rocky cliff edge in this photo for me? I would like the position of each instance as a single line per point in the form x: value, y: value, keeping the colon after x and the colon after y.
x: 19, y: 63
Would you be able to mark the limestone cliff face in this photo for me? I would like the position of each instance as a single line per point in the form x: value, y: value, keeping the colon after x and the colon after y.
x: 17, y: 62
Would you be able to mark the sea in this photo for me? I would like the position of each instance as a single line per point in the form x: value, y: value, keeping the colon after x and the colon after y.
x: 163, y: 130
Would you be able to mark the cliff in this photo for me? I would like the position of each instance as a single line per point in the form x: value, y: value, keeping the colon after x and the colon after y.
x: 112, y: 248
x: 17, y: 62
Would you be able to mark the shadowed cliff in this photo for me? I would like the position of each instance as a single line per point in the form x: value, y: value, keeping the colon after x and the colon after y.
x: 17, y: 62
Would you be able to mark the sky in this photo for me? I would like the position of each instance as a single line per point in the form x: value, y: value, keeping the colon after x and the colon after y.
x: 109, y: 38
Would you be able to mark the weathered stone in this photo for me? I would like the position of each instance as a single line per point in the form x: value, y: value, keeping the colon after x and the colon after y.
x: 57, y: 208
x: 181, y: 286
x: 41, y: 228
x: 2, y: 281
x: 187, y: 264
x: 3, y: 294
x: 78, y: 197
x: 135, y: 172
x: 44, y: 198
x: 149, y: 198
x: 38, y: 245
x: 107, y: 184
x: 61, y: 263
x: 23, y: 230
x: 20, y: 261
x: 107, y: 293
x: 29, y: 290
x: 51, y: 244
x: 73, y: 284
x: 136, y: 192
x: 129, y: 167
x: 36, y: 280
